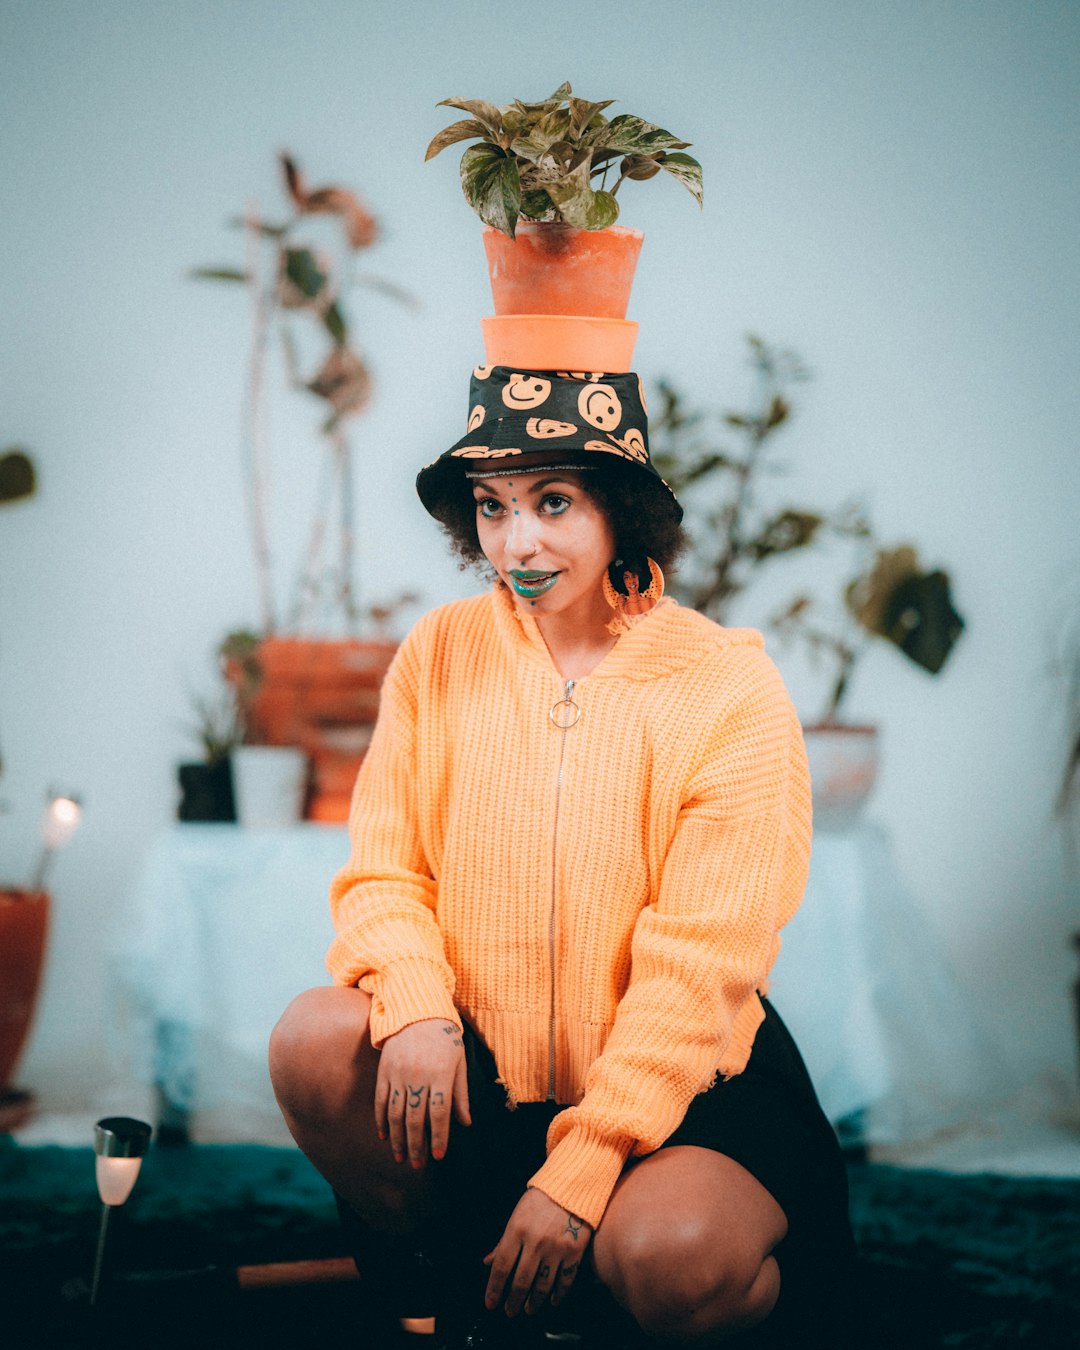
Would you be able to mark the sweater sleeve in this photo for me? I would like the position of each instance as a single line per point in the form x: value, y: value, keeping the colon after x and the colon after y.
x: 734, y: 873
x: 383, y: 900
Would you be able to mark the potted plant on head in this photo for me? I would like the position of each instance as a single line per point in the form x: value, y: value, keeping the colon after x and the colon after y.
x: 894, y: 599
x: 544, y: 179
x: 321, y: 663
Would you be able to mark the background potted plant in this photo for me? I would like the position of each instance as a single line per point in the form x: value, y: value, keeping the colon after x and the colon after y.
x: 206, y: 785
x: 543, y: 179
x: 320, y: 666
x: 734, y: 535
x: 25, y: 909
x: 896, y: 600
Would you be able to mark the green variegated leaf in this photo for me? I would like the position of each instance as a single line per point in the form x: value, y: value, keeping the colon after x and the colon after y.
x: 582, y: 112
x: 688, y: 172
x: 536, y: 204
x: 492, y: 187
x: 514, y: 119
x: 579, y: 205
x: 633, y: 136
x: 479, y: 108
x: 457, y: 131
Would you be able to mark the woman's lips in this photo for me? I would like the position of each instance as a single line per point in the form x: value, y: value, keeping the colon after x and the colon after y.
x: 532, y: 584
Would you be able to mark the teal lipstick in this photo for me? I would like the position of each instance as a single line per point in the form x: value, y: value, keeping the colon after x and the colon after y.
x: 531, y: 585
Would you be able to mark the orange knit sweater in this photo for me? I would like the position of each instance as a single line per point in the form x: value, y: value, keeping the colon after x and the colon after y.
x: 601, y: 902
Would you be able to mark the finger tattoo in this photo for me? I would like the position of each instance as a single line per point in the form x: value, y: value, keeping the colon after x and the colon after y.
x: 415, y: 1093
x: 568, y: 1272
x: 544, y: 1272
x: 574, y: 1225
x: 437, y: 1098
x: 396, y: 1095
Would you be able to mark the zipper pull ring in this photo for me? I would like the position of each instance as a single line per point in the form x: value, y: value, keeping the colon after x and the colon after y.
x: 565, y: 713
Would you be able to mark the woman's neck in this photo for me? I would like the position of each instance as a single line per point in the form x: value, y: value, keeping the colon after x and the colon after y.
x: 577, y: 644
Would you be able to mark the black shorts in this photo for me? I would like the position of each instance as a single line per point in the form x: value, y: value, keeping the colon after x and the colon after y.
x: 767, y: 1119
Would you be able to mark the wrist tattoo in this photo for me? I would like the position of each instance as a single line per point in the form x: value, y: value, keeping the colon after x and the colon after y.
x: 415, y: 1093
x: 453, y: 1031
x: 574, y: 1225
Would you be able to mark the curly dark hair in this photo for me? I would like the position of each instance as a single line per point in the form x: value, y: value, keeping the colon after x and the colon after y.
x: 642, y: 515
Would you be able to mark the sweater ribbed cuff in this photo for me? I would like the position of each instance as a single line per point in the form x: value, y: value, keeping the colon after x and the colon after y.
x: 581, y: 1172
x: 410, y: 990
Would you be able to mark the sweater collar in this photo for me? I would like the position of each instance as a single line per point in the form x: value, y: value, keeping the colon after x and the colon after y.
x: 669, y: 638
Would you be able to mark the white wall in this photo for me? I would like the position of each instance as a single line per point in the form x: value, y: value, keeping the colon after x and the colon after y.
x: 891, y: 189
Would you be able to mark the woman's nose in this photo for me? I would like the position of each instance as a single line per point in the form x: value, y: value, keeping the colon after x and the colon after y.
x: 523, y: 541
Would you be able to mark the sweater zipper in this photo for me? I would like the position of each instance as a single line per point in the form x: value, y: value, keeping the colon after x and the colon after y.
x: 561, y: 714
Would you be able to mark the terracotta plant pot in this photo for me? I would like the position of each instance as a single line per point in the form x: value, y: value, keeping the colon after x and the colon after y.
x: 843, y: 771
x: 552, y: 268
x: 321, y: 695
x: 559, y: 342
x: 24, y: 927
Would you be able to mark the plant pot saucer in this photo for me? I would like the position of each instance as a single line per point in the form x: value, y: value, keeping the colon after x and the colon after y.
x: 559, y: 342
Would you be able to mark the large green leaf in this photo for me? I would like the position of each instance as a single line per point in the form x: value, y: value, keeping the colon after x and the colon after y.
x: 633, y: 136
x: 492, y: 187
x: 479, y: 108
x: 688, y: 172
x: 579, y: 205
x: 456, y: 131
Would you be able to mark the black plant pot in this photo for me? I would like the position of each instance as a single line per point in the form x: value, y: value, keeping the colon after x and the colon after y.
x: 207, y: 791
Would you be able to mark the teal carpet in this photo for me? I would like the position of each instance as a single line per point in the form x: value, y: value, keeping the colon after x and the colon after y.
x: 945, y: 1261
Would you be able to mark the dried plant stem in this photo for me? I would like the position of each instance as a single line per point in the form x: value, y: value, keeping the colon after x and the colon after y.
x: 256, y: 429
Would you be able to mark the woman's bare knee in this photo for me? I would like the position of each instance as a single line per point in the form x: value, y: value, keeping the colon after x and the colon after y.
x: 320, y: 1049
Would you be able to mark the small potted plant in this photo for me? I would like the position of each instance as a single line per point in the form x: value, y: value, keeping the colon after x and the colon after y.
x: 206, y: 785
x: 544, y: 178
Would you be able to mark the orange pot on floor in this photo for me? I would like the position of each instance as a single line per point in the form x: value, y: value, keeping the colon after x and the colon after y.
x: 323, y: 696
x: 553, y: 268
x: 24, y: 928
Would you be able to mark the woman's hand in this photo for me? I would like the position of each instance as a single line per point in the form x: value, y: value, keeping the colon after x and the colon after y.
x: 421, y: 1076
x: 542, y: 1248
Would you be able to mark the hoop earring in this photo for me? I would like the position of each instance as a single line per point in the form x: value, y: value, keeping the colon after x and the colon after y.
x: 629, y: 601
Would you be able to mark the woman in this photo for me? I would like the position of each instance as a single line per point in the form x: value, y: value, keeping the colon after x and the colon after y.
x: 583, y: 819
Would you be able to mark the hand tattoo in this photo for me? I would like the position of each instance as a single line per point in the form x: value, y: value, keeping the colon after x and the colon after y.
x: 574, y: 1225
x: 453, y: 1031
x: 414, y: 1095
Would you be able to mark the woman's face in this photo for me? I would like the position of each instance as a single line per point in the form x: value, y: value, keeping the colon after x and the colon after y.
x: 548, y: 540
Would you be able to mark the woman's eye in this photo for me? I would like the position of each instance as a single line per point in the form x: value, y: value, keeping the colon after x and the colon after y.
x: 488, y: 507
x: 555, y: 503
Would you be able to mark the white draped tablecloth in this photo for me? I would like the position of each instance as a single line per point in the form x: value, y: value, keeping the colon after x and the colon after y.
x: 226, y: 925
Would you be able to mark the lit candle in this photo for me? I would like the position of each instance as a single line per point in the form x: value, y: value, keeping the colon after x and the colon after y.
x: 60, y: 821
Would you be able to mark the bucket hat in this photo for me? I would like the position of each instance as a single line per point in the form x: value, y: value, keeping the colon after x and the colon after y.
x: 525, y: 419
